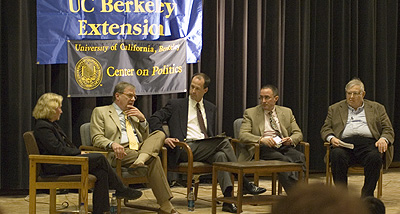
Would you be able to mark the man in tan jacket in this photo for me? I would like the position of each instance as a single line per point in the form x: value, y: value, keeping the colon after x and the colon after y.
x: 275, y: 128
x: 120, y: 124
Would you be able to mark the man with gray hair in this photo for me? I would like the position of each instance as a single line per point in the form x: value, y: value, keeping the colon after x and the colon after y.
x: 364, y: 124
x: 123, y: 129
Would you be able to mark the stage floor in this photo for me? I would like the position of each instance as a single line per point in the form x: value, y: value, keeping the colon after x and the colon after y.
x: 18, y: 204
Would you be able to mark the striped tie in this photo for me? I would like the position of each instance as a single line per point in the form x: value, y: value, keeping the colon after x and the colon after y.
x: 273, y: 124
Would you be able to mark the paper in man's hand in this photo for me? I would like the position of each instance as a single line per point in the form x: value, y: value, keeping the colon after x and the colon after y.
x: 346, y: 145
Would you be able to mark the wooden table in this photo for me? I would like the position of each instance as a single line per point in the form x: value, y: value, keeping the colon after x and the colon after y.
x: 250, y: 167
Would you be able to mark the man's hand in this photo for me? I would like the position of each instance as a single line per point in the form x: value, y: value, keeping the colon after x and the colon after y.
x: 119, y: 150
x: 268, y: 141
x: 382, y: 145
x: 287, y: 141
x: 171, y: 142
x: 335, y: 142
x: 133, y: 111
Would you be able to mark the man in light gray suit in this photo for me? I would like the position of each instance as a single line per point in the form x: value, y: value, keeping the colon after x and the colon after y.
x: 364, y: 124
x: 275, y: 128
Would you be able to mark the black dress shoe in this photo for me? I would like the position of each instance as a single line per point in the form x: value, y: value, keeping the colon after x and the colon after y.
x: 128, y: 193
x: 250, y: 188
x: 229, y: 208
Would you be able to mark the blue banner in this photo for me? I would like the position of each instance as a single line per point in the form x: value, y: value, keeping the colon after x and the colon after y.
x: 153, y: 67
x: 163, y: 20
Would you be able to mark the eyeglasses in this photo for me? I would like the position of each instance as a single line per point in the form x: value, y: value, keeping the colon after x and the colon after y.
x: 353, y: 94
x: 265, y: 98
x: 130, y: 96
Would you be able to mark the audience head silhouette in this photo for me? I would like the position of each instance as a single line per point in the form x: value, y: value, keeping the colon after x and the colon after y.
x: 320, y: 199
x: 374, y: 205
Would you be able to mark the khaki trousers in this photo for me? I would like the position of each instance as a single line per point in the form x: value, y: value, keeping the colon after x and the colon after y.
x: 155, y: 175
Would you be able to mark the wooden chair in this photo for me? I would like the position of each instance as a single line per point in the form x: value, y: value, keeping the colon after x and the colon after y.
x: 356, y: 169
x: 122, y: 172
x: 192, y: 169
x: 305, y: 148
x: 83, y: 181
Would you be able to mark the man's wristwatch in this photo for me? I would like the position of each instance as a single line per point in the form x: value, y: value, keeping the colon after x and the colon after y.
x: 109, y: 146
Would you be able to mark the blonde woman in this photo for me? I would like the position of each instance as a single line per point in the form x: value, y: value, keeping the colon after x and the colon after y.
x: 52, y: 140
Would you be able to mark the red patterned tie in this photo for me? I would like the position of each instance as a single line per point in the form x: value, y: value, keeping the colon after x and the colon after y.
x: 201, y: 121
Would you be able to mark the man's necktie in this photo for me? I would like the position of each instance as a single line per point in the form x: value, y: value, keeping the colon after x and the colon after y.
x: 201, y: 121
x: 273, y: 124
x: 133, y: 143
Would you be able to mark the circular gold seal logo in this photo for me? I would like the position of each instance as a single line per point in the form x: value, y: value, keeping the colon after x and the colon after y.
x: 88, y: 73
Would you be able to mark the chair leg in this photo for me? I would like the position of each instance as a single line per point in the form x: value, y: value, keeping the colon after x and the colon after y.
x: 84, y: 198
x: 196, y: 189
x: 380, y: 181
x: 119, y: 206
x: 274, y: 178
x: 32, y: 200
x: 233, y: 184
x: 329, y: 177
x: 279, y: 188
x: 53, y: 201
x: 256, y: 179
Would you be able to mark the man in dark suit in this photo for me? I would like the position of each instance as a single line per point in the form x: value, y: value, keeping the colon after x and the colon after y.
x: 275, y: 129
x: 192, y: 119
x: 364, y: 124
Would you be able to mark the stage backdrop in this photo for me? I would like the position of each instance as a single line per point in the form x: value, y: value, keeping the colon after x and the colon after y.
x: 61, y: 20
x: 154, y: 67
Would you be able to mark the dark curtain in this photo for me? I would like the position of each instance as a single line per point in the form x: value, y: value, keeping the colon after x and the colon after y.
x: 308, y: 48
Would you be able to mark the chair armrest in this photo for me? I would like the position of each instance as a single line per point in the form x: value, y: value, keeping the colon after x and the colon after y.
x: 306, y: 146
x: 189, y: 152
x: 58, y: 159
x: 91, y: 148
x: 302, y: 143
x: 98, y: 152
x: 256, y: 150
x: 234, y: 143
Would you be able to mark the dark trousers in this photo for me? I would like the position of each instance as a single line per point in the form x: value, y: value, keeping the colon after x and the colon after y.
x: 364, y: 153
x: 210, y: 151
x: 288, y: 154
x: 99, y: 167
